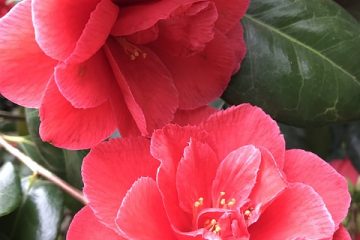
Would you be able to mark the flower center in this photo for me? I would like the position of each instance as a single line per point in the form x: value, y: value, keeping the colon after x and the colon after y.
x: 212, y: 226
x: 131, y: 50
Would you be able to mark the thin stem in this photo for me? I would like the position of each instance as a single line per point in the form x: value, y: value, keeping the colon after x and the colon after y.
x: 36, y: 168
x: 7, y: 115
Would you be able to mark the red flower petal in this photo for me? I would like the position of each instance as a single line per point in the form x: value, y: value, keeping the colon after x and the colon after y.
x: 110, y: 169
x: 87, y: 84
x: 298, y: 213
x: 142, y: 214
x: 341, y: 234
x: 235, y: 36
x: 269, y: 184
x: 129, y: 21
x: 345, y: 168
x: 67, y: 127
x: 85, y: 226
x: 189, y: 29
x: 125, y: 121
x: 203, y: 77
x: 167, y: 145
x: 197, y: 167
x: 236, y: 176
x: 230, y: 13
x: 59, y: 24
x: 25, y: 69
x: 96, y: 31
x: 193, y: 117
x: 245, y: 125
x: 331, y: 186
x: 146, y: 85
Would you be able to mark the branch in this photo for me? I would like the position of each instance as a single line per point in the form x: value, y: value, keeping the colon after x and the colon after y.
x: 40, y: 170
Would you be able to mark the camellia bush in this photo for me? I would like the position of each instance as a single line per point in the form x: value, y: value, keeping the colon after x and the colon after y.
x: 179, y: 119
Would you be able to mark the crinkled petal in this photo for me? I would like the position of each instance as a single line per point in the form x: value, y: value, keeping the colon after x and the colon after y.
x: 87, y: 84
x: 245, y: 125
x: 96, y: 31
x: 341, y: 234
x: 59, y: 24
x: 146, y: 84
x: 193, y: 117
x: 110, y: 169
x: 25, y: 69
x: 298, y: 213
x: 167, y: 145
x: 194, y: 175
x: 142, y: 214
x: 270, y: 183
x: 189, y: 29
x: 203, y: 77
x: 230, y: 13
x: 67, y: 127
x: 306, y: 167
x: 236, y: 177
x: 129, y: 21
x: 85, y: 226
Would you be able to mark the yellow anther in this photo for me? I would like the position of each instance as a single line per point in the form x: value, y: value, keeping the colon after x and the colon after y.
x: 231, y: 202
x: 222, y: 201
x: 201, y: 200
x: 222, y: 193
x: 217, y: 229
x: 131, y: 50
x: 213, y: 222
x: 197, y: 204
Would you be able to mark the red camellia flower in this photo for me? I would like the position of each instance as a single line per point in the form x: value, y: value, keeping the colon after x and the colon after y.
x: 227, y: 178
x: 92, y: 66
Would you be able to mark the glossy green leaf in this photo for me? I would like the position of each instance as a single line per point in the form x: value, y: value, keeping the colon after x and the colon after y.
x: 303, y: 62
x: 40, y: 214
x: 10, y: 189
x: 52, y: 155
x: 73, y: 161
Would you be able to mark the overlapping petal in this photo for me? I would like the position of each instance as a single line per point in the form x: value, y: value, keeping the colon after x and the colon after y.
x: 110, y: 170
x: 141, y: 203
x: 65, y: 126
x: 59, y: 24
x: 321, y: 176
x: 245, y: 125
x: 85, y: 226
x: 24, y: 71
x: 87, y: 84
x: 298, y: 213
x: 149, y: 93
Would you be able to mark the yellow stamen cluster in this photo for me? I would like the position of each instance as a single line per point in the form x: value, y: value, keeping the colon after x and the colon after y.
x: 212, y: 226
x: 131, y: 50
x: 223, y: 203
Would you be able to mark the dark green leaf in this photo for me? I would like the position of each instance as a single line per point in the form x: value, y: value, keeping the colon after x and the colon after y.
x: 40, y: 214
x: 302, y: 64
x: 10, y: 189
x: 52, y: 155
x: 73, y: 161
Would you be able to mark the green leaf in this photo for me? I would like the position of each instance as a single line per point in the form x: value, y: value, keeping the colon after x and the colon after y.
x: 302, y: 64
x: 73, y: 161
x: 40, y: 214
x: 10, y: 189
x: 52, y: 155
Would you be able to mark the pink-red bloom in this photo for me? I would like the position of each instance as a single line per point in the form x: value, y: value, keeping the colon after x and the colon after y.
x: 92, y: 66
x: 228, y: 177
x: 346, y: 168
